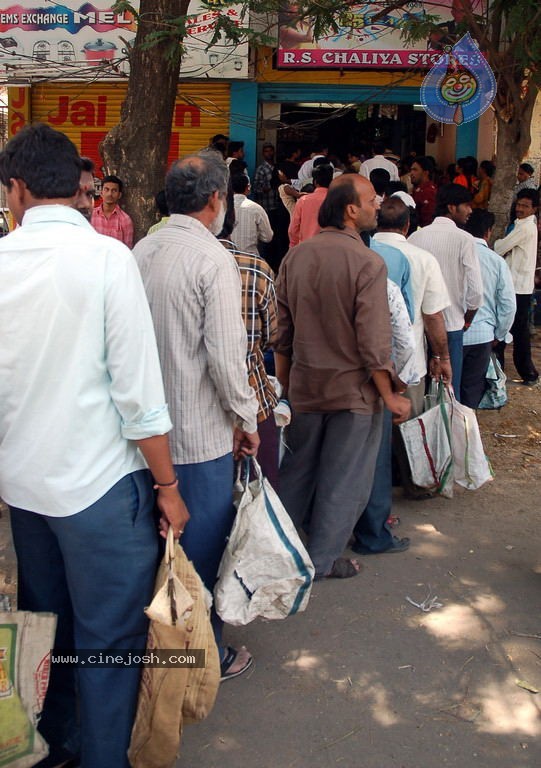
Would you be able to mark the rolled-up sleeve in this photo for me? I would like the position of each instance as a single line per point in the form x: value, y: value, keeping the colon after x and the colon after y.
x: 132, y: 360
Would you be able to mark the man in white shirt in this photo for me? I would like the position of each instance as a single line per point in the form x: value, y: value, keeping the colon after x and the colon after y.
x: 379, y: 161
x: 372, y: 533
x: 430, y: 297
x: 520, y: 249
x: 193, y: 287
x: 81, y: 399
x: 252, y: 225
x: 306, y: 171
x: 456, y: 254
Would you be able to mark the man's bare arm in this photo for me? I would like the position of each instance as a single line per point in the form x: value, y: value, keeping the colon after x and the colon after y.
x: 399, y: 406
x: 440, y: 362
x: 170, y: 503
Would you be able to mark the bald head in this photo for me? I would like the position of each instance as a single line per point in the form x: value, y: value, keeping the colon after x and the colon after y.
x: 350, y: 202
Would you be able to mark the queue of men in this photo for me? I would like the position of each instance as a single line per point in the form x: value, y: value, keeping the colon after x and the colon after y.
x: 129, y: 379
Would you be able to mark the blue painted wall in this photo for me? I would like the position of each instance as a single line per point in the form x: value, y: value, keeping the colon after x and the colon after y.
x: 243, y: 120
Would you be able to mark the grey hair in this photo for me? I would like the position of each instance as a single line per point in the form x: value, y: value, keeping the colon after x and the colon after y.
x: 192, y: 180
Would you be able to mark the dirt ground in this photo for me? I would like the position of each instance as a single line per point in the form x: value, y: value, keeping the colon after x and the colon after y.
x: 363, y: 679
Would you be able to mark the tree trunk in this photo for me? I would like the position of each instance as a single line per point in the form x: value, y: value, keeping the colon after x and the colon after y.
x: 514, y: 105
x: 136, y: 149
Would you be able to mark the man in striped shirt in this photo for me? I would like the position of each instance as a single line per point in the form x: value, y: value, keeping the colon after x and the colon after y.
x: 193, y: 288
x: 456, y: 254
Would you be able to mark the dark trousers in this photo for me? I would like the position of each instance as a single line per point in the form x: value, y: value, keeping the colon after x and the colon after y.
x: 274, y: 252
x: 522, y: 350
x: 326, y: 475
x: 96, y: 571
x: 475, y: 360
x: 267, y: 455
x: 454, y: 342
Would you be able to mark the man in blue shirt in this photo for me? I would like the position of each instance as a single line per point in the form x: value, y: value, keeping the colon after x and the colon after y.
x: 82, y: 415
x: 494, y: 318
x: 398, y: 270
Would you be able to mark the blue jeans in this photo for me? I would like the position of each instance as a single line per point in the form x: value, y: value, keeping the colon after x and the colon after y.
x: 96, y: 571
x: 372, y: 530
x: 207, y: 490
x: 454, y: 342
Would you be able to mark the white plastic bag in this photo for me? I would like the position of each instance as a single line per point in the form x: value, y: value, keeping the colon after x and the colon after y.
x: 427, y: 439
x: 444, y: 445
x: 265, y: 569
x: 471, y: 467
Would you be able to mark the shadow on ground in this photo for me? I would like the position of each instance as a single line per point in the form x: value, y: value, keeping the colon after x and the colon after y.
x: 364, y: 679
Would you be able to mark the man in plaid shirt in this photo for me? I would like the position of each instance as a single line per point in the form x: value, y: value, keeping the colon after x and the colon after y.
x: 265, y: 192
x: 259, y: 312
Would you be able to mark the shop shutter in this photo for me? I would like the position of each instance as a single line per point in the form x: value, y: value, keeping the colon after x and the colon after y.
x: 86, y: 112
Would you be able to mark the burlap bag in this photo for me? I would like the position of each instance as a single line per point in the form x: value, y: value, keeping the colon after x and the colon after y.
x: 170, y: 695
x: 26, y: 640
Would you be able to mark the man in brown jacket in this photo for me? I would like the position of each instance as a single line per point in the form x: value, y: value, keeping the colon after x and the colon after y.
x: 333, y: 360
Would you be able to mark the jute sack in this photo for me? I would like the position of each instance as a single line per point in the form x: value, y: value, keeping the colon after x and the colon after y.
x: 169, y: 695
x: 26, y: 640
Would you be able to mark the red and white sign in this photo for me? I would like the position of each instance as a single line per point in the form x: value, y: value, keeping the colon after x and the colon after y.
x: 369, y: 36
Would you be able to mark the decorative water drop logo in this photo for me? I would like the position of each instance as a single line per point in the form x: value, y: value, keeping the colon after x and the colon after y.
x: 460, y: 86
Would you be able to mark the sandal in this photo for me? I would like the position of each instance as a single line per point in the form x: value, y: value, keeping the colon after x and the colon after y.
x: 228, y: 661
x: 344, y: 568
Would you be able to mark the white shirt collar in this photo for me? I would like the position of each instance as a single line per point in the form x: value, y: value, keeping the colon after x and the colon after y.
x: 390, y: 236
x: 521, y: 222
x: 54, y: 212
x: 445, y: 221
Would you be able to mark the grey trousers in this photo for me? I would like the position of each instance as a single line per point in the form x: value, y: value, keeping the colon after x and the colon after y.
x: 326, y: 477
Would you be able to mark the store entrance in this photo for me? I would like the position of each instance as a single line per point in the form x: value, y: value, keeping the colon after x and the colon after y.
x: 349, y: 127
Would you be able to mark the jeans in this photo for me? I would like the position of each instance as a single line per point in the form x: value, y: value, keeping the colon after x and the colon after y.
x: 372, y: 530
x: 207, y: 490
x: 96, y: 570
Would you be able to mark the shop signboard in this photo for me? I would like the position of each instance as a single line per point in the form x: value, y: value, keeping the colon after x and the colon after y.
x: 83, y: 39
x: 369, y: 36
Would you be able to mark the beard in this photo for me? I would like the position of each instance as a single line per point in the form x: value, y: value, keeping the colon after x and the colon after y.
x: 218, y: 223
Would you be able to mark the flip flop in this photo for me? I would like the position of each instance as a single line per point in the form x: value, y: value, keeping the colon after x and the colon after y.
x: 343, y: 568
x: 228, y: 661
